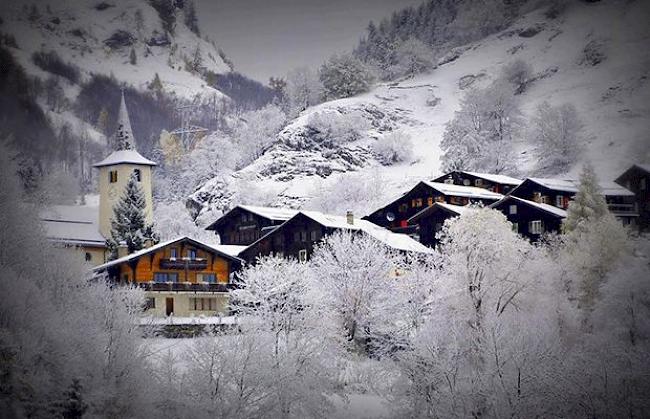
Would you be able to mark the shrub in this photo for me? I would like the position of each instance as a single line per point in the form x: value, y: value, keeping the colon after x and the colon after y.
x: 330, y: 128
x: 345, y: 76
x: 394, y: 147
x: 52, y: 63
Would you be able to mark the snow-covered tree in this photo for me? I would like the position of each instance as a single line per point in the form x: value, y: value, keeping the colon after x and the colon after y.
x: 304, y: 89
x: 67, y: 342
x: 330, y: 128
x: 412, y: 57
x: 128, y: 223
x: 256, y: 131
x: 353, y: 276
x: 394, y: 147
x: 173, y: 220
x: 344, y: 76
x: 556, y: 132
x: 481, y: 135
x: 589, y: 202
x: 349, y: 192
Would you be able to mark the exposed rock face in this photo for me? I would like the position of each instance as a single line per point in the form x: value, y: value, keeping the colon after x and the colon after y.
x: 159, y: 40
x: 120, y: 39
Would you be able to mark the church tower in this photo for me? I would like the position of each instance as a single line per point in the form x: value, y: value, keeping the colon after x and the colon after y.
x: 116, y: 169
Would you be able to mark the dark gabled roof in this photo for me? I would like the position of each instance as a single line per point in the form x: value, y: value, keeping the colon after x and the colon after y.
x: 449, y: 208
x: 271, y: 213
x: 638, y: 166
x: 549, y: 209
x: 571, y: 185
x: 143, y: 252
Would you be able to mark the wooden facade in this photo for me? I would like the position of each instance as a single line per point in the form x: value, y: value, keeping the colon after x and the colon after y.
x: 177, y: 274
x: 495, y: 183
x: 244, y: 225
x: 295, y: 238
x: 558, y: 193
x: 429, y: 222
x: 531, y: 219
x: 637, y: 180
x: 395, y: 215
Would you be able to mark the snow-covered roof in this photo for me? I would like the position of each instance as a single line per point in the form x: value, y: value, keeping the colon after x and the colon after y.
x: 456, y: 209
x: 272, y: 213
x: 161, y: 245
x: 73, y: 224
x: 396, y: 241
x: 609, y: 188
x: 559, y: 212
x: 502, y: 179
x: 125, y: 156
x: 464, y: 191
x: 645, y: 167
x: 229, y: 249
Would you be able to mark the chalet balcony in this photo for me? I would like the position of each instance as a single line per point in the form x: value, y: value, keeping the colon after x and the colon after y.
x: 622, y: 209
x: 186, y: 286
x: 184, y: 263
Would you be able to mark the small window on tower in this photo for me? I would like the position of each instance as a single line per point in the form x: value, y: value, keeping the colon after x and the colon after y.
x: 112, y: 176
x: 137, y: 174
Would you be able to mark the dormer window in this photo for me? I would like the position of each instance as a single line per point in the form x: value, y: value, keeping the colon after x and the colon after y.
x: 136, y: 172
x: 112, y: 176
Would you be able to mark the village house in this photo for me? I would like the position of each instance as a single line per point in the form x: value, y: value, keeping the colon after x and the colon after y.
x: 245, y: 224
x: 297, y: 237
x: 396, y: 214
x: 430, y: 220
x: 183, y: 276
x: 558, y: 193
x: 529, y: 218
x: 496, y: 183
x: 637, y: 180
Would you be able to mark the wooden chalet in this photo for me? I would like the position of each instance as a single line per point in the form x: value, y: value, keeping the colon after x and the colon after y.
x: 245, y: 224
x: 529, y: 218
x: 558, y: 193
x: 297, y: 237
x: 181, y: 276
x: 496, y: 183
x: 430, y: 220
x: 395, y: 215
x: 637, y: 180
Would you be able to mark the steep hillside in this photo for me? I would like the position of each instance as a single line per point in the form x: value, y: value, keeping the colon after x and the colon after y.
x: 593, y: 55
x: 98, y: 36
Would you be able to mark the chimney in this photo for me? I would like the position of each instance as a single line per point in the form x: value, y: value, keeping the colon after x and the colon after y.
x: 349, y: 217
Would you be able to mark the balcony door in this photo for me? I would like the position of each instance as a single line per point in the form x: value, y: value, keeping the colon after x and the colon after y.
x: 169, y: 306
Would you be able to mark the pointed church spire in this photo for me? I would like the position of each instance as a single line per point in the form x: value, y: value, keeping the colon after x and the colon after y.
x: 124, y: 136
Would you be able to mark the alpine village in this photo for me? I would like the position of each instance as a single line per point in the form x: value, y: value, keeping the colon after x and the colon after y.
x: 185, y: 277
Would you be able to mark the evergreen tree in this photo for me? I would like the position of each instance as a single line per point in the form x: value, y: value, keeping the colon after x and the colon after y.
x: 102, y: 121
x: 74, y: 407
x: 589, y: 203
x: 128, y: 223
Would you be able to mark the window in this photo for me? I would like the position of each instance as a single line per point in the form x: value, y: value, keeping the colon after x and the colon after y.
x: 515, y: 227
x: 302, y: 255
x: 250, y: 217
x: 112, y: 176
x: 403, y: 208
x: 210, y: 278
x: 513, y: 210
x: 191, y: 254
x: 303, y: 236
x: 88, y: 256
x: 467, y: 182
x: 296, y: 236
x: 165, y: 277
x: 535, y: 227
x: 418, y: 202
x: 430, y: 201
x: 138, y: 176
x: 413, y: 203
x: 537, y: 197
x: 559, y: 201
x: 149, y: 303
x: 203, y: 304
x: 449, y: 180
x: 478, y: 182
x: 173, y: 253
x: 642, y: 184
x: 315, y: 235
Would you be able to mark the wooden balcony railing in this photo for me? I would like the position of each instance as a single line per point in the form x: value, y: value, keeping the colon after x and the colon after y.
x: 186, y: 286
x: 184, y: 263
x: 622, y: 208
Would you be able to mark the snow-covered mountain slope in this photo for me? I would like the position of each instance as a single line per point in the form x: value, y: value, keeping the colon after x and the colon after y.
x: 612, y: 98
x: 98, y: 36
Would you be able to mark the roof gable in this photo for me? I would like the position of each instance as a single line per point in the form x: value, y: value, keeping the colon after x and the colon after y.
x: 549, y: 209
x: 270, y: 213
x: 439, y: 206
